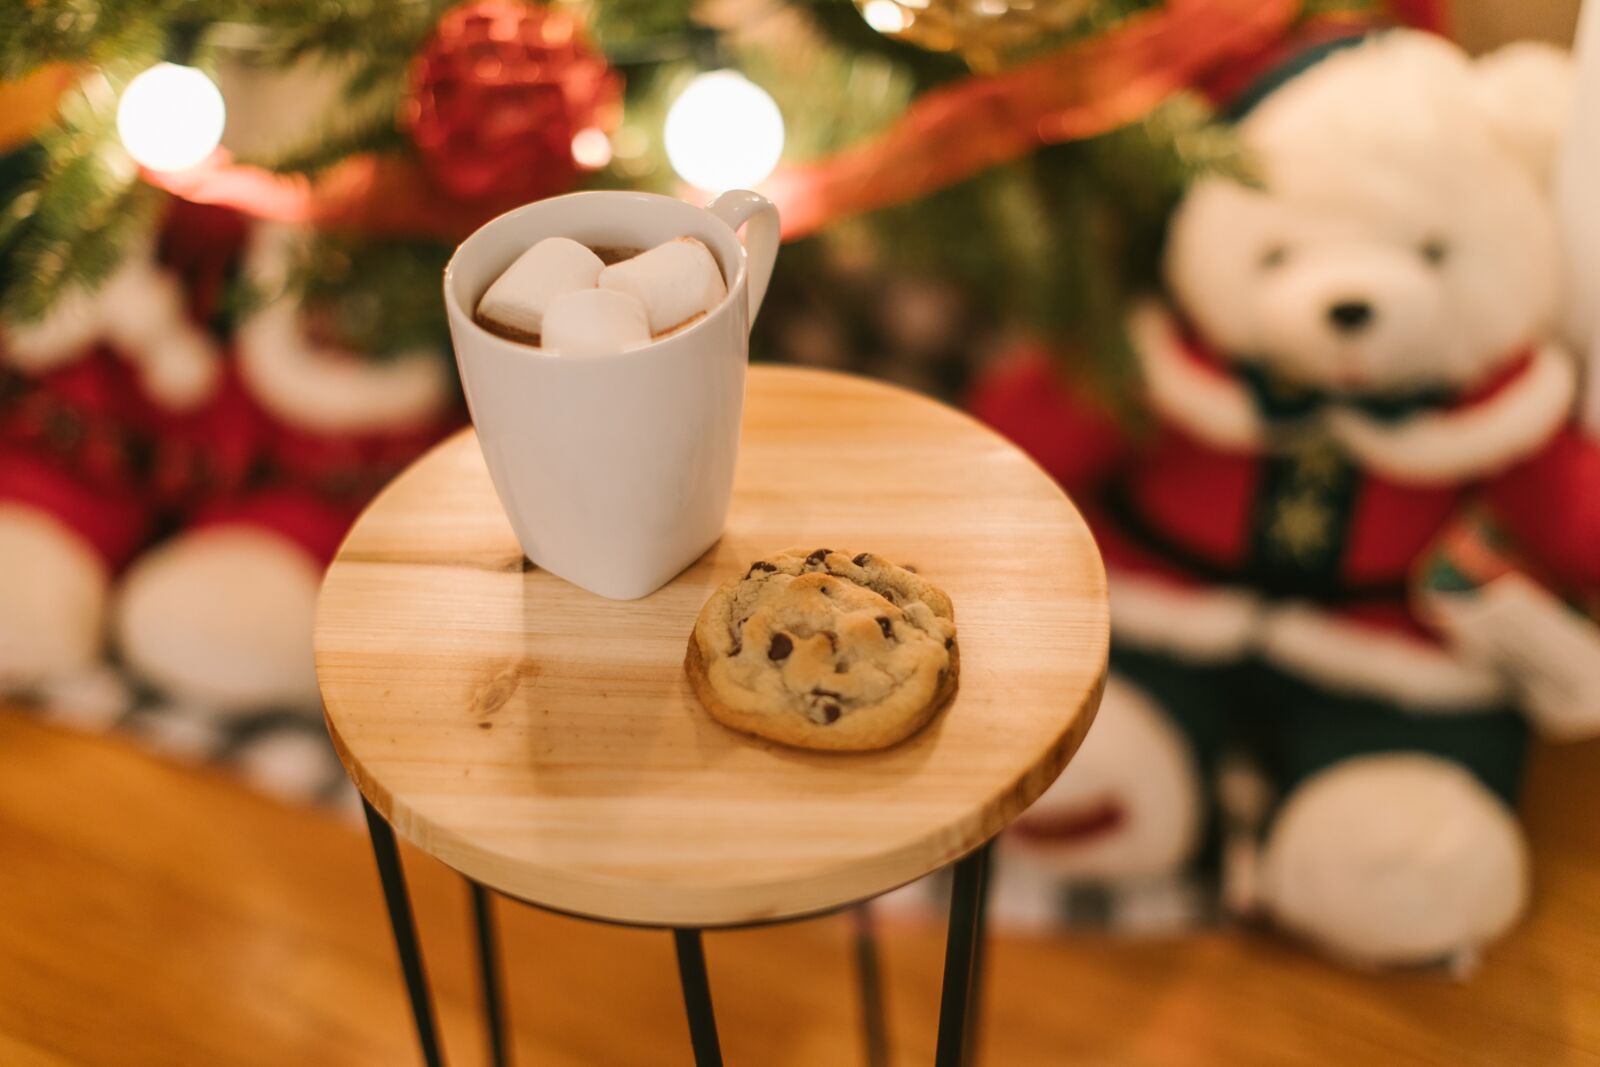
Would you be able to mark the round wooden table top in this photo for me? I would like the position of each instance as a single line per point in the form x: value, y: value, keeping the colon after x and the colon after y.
x: 545, y: 742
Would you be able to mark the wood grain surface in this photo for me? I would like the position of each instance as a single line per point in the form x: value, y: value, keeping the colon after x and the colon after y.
x: 544, y: 740
x: 153, y: 915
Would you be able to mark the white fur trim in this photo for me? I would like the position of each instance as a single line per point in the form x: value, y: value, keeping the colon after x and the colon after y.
x: 92, y: 699
x: 1547, y: 651
x: 330, y: 390
x: 182, y: 373
x: 70, y: 326
x: 222, y: 617
x: 327, y: 390
x: 1205, y: 623
x: 52, y: 598
x: 1135, y: 759
x: 1213, y: 408
x: 1219, y: 624
x: 142, y: 311
x: 1395, y: 859
x: 1355, y: 658
x: 1443, y: 447
x: 289, y: 764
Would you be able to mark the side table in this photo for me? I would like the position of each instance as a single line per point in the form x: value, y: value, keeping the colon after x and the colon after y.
x: 544, y: 742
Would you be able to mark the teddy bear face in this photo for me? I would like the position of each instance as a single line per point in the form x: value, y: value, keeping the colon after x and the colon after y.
x: 1396, y: 241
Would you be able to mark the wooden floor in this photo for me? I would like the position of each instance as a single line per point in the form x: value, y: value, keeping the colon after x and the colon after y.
x: 155, y: 915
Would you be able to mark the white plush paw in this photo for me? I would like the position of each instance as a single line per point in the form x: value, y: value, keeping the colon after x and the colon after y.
x: 222, y: 617
x: 52, y: 599
x: 1395, y: 859
x: 1127, y: 806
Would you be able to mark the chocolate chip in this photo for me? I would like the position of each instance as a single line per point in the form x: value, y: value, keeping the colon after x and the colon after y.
x: 762, y: 565
x: 949, y: 642
x: 861, y: 560
x: 818, y: 691
x: 824, y: 590
x: 886, y: 626
x: 780, y: 648
x: 830, y: 713
x: 819, y: 555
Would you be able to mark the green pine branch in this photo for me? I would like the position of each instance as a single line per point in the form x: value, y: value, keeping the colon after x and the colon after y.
x: 73, y: 224
x: 365, y: 292
x: 389, y: 31
x: 79, y: 31
x: 632, y: 31
x: 103, y: 31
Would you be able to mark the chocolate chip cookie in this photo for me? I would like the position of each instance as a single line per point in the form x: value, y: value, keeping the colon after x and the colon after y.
x: 824, y: 650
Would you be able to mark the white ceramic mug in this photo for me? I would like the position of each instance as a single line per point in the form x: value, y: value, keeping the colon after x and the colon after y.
x: 615, y: 470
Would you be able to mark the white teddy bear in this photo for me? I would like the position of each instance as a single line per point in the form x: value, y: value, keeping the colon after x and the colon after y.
x: 1355, y: 348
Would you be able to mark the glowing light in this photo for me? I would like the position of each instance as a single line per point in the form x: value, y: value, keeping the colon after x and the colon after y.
x: 886, y: 16
x: 591, y: 148
x: 170, y: 117
x: 723, y: 132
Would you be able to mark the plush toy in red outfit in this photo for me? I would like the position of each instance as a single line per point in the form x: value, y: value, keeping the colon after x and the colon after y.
x: 176, y: 483
x: 1352, y: 353
x: 112, y: 410
x: 221, y: 614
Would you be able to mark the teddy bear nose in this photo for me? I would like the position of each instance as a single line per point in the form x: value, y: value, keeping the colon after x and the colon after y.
x: 1348, y: 316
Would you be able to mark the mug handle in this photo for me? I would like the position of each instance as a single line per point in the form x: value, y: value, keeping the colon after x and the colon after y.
x: 737, y: 207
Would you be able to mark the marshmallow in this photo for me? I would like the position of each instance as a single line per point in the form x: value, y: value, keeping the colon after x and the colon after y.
x: 677, y: 282
x: 594, y: 322
x: 519, y: 298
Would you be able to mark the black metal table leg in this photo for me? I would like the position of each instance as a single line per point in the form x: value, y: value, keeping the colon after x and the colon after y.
x: 875, y: 1033
x: 961, y: 957
x: 393, y: 878
x: 980, y: 947
x: 494, y: 1016
x: 697, y: 998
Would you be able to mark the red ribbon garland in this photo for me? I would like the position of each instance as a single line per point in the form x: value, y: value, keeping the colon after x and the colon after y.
x: 1085, y: 89
x: 365, y: 194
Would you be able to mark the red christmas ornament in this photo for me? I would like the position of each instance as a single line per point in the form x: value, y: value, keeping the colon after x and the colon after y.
x: 497, y: 94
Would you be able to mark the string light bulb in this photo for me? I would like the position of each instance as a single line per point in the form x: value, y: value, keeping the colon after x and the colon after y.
x: 886, y: 16
x: 170, y: 117
x: 591, y: 148
x: 723, y: 132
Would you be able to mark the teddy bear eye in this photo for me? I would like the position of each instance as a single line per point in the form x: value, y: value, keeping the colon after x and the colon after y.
x: 1274, y: 257
x: 1434, y: 251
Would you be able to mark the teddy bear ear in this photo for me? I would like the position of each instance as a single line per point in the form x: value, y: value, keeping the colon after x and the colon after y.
x: 1525, y: 91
